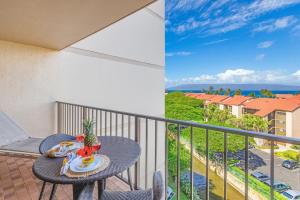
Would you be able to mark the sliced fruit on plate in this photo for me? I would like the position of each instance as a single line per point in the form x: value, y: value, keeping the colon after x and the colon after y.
x: 88, y: 160
x: 67, y: 143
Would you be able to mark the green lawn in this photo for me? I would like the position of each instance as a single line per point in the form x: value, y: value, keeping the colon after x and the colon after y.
x: 288, y: 155
x: 255, y: 184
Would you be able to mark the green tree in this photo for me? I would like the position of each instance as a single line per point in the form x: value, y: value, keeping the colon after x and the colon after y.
x: 180, y: 98
x: 184, y: 112
x: 266, y: 93
x: 238, y: 92
x: 228, y: 92
x: 221, y: 90
x: 181, y: 107
x: 210, y: 89
x: 254, y: 123
x: 214, y: 115
x: 251, y: 94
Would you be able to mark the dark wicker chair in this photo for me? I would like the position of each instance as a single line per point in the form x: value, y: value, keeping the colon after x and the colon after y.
x: 47, y: 144
x: 155, y: 193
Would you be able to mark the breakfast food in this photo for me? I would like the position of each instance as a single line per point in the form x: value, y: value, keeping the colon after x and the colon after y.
x: 87, y: 161
x: 67, y: 143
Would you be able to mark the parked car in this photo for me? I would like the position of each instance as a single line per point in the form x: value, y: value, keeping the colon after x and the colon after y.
x: 291, y: 194
x: 290, y: 164
x: 170, y: 193
x: 260, y: 176
x: 278, y: 186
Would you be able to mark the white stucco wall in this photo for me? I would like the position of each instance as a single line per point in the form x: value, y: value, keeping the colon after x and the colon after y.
x: 296, y: 123
x: 221, y: 107
x: 289, y: 124
x: 121, y: 67
x: 237, y: 110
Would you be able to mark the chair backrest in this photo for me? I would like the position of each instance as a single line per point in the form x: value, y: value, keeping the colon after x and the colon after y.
x: 52, y: 140
x: 158, y: 186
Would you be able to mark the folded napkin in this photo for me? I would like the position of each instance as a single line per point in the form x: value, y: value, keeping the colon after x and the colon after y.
x: 62, y: 150
x: 66, y: 162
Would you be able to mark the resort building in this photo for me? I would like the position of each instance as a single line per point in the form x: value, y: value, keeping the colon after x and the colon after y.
x: 283, y: 112
x: 234, y: 104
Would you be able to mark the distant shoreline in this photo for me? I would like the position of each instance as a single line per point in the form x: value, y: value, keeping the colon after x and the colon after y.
x: 244, y: 92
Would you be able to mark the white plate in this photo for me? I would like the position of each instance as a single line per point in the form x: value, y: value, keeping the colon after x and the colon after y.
x: 63, y: 152
x: 75, y: 165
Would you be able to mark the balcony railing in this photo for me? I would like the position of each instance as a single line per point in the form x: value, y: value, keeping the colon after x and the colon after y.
x: 152, y: 134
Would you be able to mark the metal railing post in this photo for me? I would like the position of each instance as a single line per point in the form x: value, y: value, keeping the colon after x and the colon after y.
x: 178, y: 163
x: 137, y: 140
x: 59, y: 118
x: 191, y: 164
x: 225, y: 166
x: 206, y: 165
x: 68, y: 115
x: 272, y: 170
x: 166, y: 159
x: 246, y: 166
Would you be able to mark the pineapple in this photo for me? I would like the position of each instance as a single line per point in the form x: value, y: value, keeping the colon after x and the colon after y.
x: 90, y: 138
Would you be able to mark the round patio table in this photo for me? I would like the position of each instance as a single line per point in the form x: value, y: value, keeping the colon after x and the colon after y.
x: 123, y: 153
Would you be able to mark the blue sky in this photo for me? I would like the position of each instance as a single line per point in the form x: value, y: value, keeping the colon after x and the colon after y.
x: 232, y: 41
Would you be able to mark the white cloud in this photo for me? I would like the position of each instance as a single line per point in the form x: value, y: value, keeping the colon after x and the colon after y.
x: 201, y: 78
x: 190, y: 24
x: 230, y: 75
x: 178, y: 53
x: 297, y: 74
x: 215, y: 42
x: 267, y: 5
x: 275, y: 24
x: 241, y: 75
x: 221, y: 16
x: 183, y: 5
x: 265, y: 44
x: 260, y: 57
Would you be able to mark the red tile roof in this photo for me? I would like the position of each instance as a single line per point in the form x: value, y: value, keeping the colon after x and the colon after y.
x: 235, y: 100
x: 211, y: 98
x: 284, y: 96
x: 265, y: 106
x: 296, y: 97
x: 218, y: 98
x: 201, y: 96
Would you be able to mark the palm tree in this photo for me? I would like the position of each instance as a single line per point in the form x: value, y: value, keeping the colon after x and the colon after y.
x: 266, y: 93
x: 238, y: 92
x: 221, y: 90
x: 251, y: 94
x: 210, y: 89
x: 228, y: 92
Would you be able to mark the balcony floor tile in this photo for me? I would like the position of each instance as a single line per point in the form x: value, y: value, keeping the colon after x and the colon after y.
x: 18, y: 182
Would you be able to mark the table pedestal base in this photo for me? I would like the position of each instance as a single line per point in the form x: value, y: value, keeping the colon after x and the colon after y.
x: 83, y: 191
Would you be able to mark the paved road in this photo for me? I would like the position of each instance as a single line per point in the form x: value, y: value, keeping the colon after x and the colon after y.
x: 291, y: 177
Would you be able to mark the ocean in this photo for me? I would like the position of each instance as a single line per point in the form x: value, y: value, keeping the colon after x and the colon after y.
x: 246, y: 92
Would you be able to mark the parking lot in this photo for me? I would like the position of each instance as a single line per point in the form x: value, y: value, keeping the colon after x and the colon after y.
x: 291, y: 177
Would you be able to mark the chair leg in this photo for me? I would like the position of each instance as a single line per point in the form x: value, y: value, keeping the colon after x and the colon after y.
x: 129, y: 179
x: 42, y: 190
x: 104, y: 184
x: 53, y: 191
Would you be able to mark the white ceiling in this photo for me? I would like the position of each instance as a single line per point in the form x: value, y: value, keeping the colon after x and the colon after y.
x: 56, y: 24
